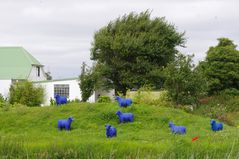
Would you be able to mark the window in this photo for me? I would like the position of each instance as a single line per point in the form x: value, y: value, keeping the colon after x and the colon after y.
x: 62, y: 89
x: 38, y: 71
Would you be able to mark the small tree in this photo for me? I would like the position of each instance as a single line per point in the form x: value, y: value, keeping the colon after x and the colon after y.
x: 93, y: 78
x: 184, y: 83
x: 86, y: 83
x: 25, y: 93
x: 2, y: 100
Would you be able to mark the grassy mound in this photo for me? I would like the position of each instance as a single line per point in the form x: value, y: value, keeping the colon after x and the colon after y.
x: 32, y: 133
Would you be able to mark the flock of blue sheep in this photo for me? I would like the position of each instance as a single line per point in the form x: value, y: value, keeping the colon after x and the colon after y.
x: 111, y: 131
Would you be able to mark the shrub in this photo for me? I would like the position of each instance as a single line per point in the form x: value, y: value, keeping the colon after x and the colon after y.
x: 218, y: 107
x: 145, y: 95
x: 5, y: 106
x: 230, y: 92
x: 2, y: 99
x: 184, y: 82
x: 52, y: 102
x: 25, y: 93
x: 76, y: 100
x: 104, y: 99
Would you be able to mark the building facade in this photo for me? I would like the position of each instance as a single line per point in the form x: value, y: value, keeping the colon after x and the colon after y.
x: 16, y: 64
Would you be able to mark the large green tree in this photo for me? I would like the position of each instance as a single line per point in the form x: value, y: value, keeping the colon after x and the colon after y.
x: 221, y: 66
x: 133, y: 49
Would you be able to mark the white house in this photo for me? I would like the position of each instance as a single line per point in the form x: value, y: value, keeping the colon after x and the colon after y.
x: 68, y: 88
x: 16, y: 64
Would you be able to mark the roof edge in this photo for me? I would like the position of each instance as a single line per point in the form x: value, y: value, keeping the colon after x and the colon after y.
x: 64, y: 79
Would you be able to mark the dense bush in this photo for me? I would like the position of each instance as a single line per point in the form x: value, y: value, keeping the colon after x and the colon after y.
x: 184, y: 82
x: 104, y: 99
x: 230, y: 92
x: 2, y: 100
x: 25, y: 93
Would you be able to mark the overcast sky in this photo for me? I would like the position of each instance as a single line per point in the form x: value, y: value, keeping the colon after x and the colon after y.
x: 59, y: 32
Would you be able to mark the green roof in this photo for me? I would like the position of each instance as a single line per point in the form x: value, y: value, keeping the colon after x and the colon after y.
x: 16, y: 63
x: 65, y: 79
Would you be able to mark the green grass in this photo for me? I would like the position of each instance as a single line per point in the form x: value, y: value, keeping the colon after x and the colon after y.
x: 32, y: 133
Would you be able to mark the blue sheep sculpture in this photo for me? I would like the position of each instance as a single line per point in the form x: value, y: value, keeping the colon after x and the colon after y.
x: 123, y: 102
x: 110, y: 131
x: 216, y: 126
x: 65, y: 123
x: 60, y: 99
x: 125, y: 117
x: 177, y: 129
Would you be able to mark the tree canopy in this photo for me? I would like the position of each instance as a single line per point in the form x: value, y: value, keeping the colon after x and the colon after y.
x: 184, y: 82
x: 134, y: 48
x: 221, y: 66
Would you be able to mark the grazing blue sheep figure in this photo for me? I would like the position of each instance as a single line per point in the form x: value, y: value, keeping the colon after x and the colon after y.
x: 125, y: 117
x: 177, y: 129
x: 60, y: 99
x: 110, y: 131
x: 65, y: 124
x: 216, y: 126
x: 123, y: 102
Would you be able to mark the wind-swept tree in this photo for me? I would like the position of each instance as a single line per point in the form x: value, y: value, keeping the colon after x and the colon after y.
x: 134, y: 48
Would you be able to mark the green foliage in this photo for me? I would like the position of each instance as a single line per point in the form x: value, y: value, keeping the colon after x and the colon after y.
x: 52, y: 102
x: 230, y: 92
x: 76, y: 100
x: 5, y: 106
x: 86, y: 83
x: 2, y: 99
x: 184, y: 83
x: 91, y: 79
x: 219, y: 107
x: 104, y: 99
x: 145, y: 95
x: 221, y: 66
x: 133, y: 49
x: 32, y: 133
x: 25, y: 93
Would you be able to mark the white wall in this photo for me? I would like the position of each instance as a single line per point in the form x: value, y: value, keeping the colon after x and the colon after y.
x: 74, y: 89
x: 74, y: 92
x: 33, y: 75
x: 4, y: 87
x: 92, y: 98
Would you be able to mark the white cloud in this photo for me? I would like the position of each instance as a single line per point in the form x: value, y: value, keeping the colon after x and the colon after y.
x: 59, y: 32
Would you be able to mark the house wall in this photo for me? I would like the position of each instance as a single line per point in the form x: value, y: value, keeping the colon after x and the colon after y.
x: 4, y: 87
x: 109, y: 93
x: 33, y: 76
x: 74, y: 89
x: 92, y: 98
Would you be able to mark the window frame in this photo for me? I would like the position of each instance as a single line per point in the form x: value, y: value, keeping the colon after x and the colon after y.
x: 38, y: 71
x: 62, y: 89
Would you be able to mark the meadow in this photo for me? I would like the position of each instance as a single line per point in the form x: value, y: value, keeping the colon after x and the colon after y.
x: 32, y: 133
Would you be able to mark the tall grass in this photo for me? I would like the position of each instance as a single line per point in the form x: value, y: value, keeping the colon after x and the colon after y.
x: 32, y: 133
